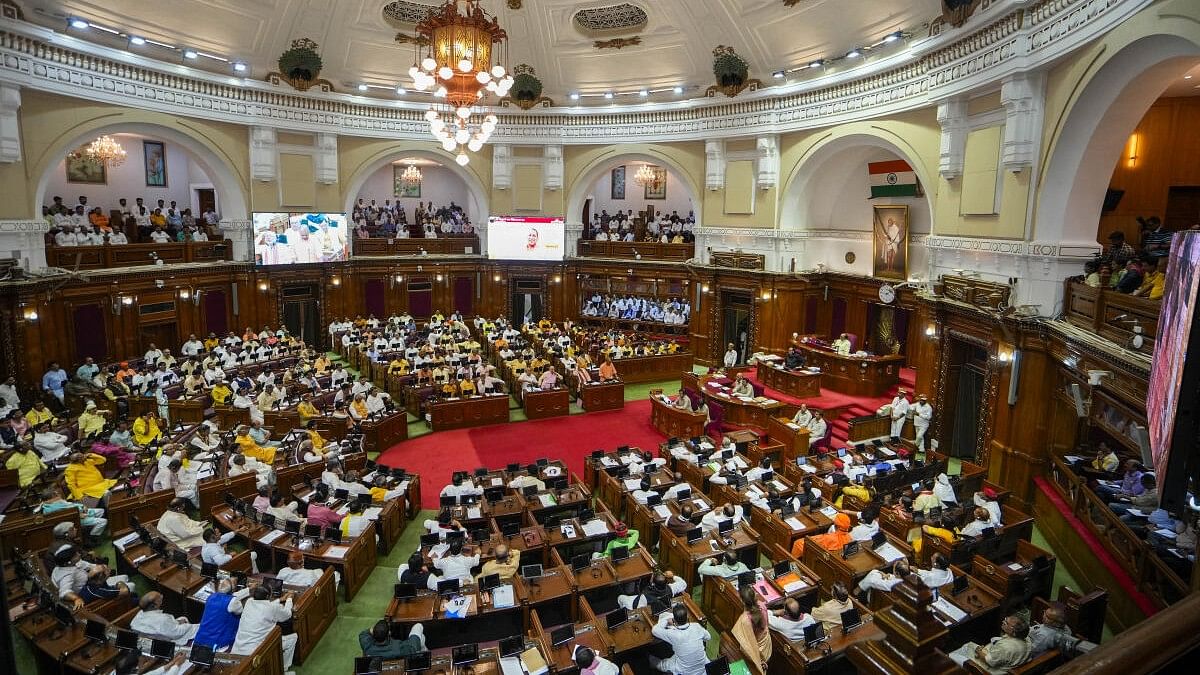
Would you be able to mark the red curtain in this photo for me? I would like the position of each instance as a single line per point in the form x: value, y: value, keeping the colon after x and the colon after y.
x: 375, y: 299
x: 464, y: 295
x: 91, y: 335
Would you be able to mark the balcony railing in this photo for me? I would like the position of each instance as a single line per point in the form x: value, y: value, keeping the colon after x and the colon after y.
x: 1111, y: 315
x: 378, y: 246
x: 634, y: 249
x: 130, y: 255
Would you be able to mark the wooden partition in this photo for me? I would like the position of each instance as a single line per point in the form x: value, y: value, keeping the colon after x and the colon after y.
x: 589, y: 248
x: 378, y: 246
x: 1111, y: 315
x: 127, y: 255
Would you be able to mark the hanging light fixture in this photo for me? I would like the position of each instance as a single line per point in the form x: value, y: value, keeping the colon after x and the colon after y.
x: 103, y: 151
x: 461, y: 61
x: 411, y: 176
x: 647, y: 176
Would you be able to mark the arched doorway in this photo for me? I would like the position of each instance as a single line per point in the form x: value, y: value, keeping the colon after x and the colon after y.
x: 597, y: 176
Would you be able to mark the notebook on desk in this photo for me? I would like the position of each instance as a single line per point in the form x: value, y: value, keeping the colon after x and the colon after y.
x: 790, y: 582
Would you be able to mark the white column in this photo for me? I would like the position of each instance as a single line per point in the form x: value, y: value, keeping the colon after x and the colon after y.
x: 239, y: 231
x: 326, y: 159
x: 501, y: 167
x: 572, y: 233
x: 952, y: 116
x: 1024, y: 99
x: 24, y: 240
x: 714, y: 165
x: 10, y: 127
x: 552, y: 156
x: 264, y: 159
x: 767, y: 165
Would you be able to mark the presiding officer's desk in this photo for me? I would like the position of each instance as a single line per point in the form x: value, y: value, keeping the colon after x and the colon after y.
x: 675, y: 422
x: 473, y: 411
x: 854, y: 375
x: 751, y: 411
x: 800, y: 383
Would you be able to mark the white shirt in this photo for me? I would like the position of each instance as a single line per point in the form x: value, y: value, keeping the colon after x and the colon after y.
x: 935, y: 578
x: 792, y: 630
x: 301, y: 577
x: 863, y: 531
x: 687, y: 642
x: 160, y: 237
x: 992, y: 506
x: 69, y: 579
x: 602, y: 666
x: 118, y: 237
x: 215, y: 554
x: 159, y: 625
x: 817, y: 428
x: 457, y: 566
x: 899, y: 407
x: 975, y: 528
x: 730, y: 358
x: 191, y: 347
x: 711, y: 519
x: 922, y: 414
x: 258, y: 618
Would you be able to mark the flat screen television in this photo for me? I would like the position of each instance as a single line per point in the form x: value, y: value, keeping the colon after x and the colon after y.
x: 292, y: 238
x: 1174, y: 380
x: 517, y: 238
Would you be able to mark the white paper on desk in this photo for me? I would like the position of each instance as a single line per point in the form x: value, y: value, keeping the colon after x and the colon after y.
x: 337, y: 551
x: 568, y: 530
x: 343, y: 511
x: 497, y: 482
x: 206, y: 472
x: 808, y: 468
x: 271, y: 536
x: 793, y: 426
x: 438, y: 550
x: 886, y: 452
x: 511, y: 665
x: 1138, y: 512
x: 633, y: 483
x: 373, y: 513
x: 778, y: 486
x: 547, y: 500
x: 502, y: 596
x: 608, y: 461
x: 125, y: 541
x: 403, y: 486
x: 203, y: 592
x: 662, y: 510
x: 888, y: 552
x: 1016, y: 567
x: 1073, y: 458
x: 595, y: 527
x: 699, y: 503
x: 944, y: 606
x: 794, y: 523
x: 829, y: 511
x: 794, y: 586
x: 369, y: 478
x: 769, y: 401
x: 740, y: 462
x: 707, y: 444
x: 1163, y: 532
x: 458, y: 607
x: 474, y: 512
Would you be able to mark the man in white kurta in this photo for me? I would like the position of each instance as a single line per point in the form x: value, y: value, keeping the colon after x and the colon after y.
x: 260, y: 614
x: 900, y: 407
x: 922, y: 416
x: 180, y: 530
x: 153, y: 622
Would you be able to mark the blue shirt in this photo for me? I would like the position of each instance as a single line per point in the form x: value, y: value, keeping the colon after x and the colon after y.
x: 1132, y: 483
x: 218, y: 627
x: 54, y: 379
x: 86, y: 372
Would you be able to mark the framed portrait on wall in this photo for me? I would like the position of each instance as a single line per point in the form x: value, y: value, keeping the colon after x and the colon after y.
x: 618, y: 182
x: 155, y: 154
x: 890, y: 238
x: 85, y: 171
x: 403, y: 189
x: 657, y: 189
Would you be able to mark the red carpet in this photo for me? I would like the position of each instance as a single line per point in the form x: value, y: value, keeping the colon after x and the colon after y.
x: 436, y: 456
x: 1127, y: 583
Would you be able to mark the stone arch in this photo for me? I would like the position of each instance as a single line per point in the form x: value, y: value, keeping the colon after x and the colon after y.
x: 220, y: 167
x: 478, y: 207
x: 1096, y: 123
x: 615, y: 156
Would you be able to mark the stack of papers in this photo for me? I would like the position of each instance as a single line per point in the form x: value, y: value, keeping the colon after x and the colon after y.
x: 128, y: 539
x: 337, y: 551
x: 945, y: 607
x: 808, y: 468
x: 595, y: 528
x: 794, y: 523
x: 271, y: 536
x: 888, y: 552
x: 829, y: 511
x: 568, y: 530
x: 438, y: 550
x: 662, y: 511
x: 373, y: 513
x: 474, y: 513
x: 633, y: 483
x: 502, y: 596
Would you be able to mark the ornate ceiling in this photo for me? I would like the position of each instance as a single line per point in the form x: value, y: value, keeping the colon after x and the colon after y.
x: 675, y: 38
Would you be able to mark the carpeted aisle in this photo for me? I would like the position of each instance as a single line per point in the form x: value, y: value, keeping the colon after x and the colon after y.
x: 436, y: 456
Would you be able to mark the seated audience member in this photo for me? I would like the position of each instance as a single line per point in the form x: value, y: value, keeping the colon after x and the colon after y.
x: 829, y: 612
x: 661, y: 586
x: 938, y: 574
x: 790, y: 620
x: 152, y: 622
x: 982, y: 520
x: 879, y: 580
x: 1054, y: 633
x: 505, y: 563
x: 591, y: 663
x: 378, y: 641
x: 725, y: 565
x: 176, y: 527
x: 686, y: 638
x: 1011, y: 649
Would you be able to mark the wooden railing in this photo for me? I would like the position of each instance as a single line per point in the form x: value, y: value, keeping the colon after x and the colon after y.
x: 1152, y: 575
x: 589, y: 248
x: 1163, y: 643
x: 441, y: 246
x: 1110, y: 314
x: 129, y: 255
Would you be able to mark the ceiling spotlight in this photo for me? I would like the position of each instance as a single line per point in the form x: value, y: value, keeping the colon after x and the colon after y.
x: 816, y: 64
x: 136, y: 40
x: 80, y: 24
x: 574, y: 97
x: 778, y: 74
x: 892, y: 37
x: 678, y: 90
x: 643, y: 93
x: 608, y: 94
x: 189, y: 54
x: 238, y: 66
x: 853, y: 53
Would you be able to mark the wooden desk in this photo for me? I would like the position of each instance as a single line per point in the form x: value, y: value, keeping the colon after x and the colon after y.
x: 831, y: 567
x: 379, y: 435
x: 867, y: 427
x: 778, y: 532
x: 636, y: 369
x: 684, y: 558
x: 724, y: 606
x: 981, y: 605
x: 470, y: 412
x: 542, y: 404
x: 586, y: 634
x: 636, y: 633
x: 602, y: 396
x: 857, y: 376
x: 794, y: 657
x: 798, y: 383
x: 795, y: 441
x: 738, y: 412
x: 674, y: 422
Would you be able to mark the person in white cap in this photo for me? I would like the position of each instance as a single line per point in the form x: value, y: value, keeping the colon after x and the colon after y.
x: 922, y: 415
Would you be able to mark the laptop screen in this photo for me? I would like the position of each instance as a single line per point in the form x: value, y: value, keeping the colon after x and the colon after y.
x: 512, y: 646
x: 562, y: 635
x: 616, y: 617
x: 464, y: 654
x: 418, y: 662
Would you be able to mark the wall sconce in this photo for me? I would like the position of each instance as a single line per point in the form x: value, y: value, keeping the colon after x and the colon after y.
x: 704, y: 288
x: 496, y: 278
x: 558, y: 278
x: 1132, y: 150
x: 184, y: 294
x: 766, y: 296
x: 399, y: 278
x: 263, y: 286
x: 439, y: 277
x: 1004, y: 355
x: 336, y: 281
x: 126, y: 300
x: 931, y: 331
x: 30, y: 314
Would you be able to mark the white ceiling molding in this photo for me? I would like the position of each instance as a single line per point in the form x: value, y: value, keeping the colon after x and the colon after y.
x: 1024, y: 37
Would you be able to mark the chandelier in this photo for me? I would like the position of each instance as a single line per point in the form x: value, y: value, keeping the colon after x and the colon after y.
x: 460, y: 66
x: 103, y: 151
x: 649, y: 176
x: 411, y: 176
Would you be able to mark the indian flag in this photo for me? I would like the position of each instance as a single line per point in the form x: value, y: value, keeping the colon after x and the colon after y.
x: 892, y: 179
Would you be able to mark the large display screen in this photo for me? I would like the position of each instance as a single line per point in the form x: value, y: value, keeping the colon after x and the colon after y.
x: 515, y: 238
x: 1172, y: 397
x: 289, y: 238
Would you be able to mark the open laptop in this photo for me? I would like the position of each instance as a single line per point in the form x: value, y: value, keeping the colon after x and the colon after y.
x: 448, y: 586
x: 127, y: 640
x: 418, y: 662
x: 464, y: 654
x: 488, y: 582
x: 531, y: 571
x: 512, y: 646
x: 162, y: 649
x: 616, y: 618
x: 718, y: 666
x: 620, y: 553
x: 403, y: 591
x: 562, y: 635
x: 814, y: 634
x: 851, y: 620
x: 202, y: 656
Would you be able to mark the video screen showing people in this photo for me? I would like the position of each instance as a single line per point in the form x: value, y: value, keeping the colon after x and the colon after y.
x: 1170, y: 346
x: 291, y: 238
